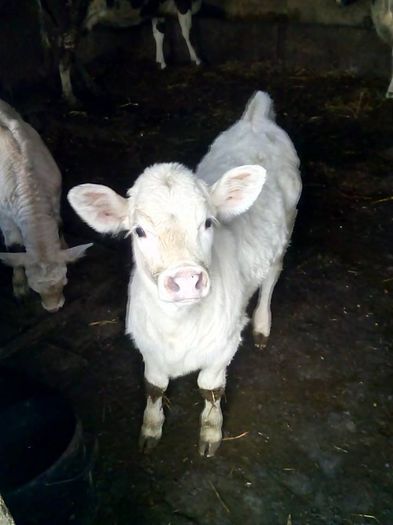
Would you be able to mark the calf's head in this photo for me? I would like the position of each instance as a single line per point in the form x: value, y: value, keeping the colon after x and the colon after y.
x: 48, y: 277
x: 171, y: 215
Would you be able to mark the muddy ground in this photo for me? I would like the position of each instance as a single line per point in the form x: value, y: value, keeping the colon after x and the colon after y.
x: 312, y: 413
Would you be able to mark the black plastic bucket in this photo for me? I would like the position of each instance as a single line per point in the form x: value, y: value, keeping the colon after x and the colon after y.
x: 46, y: 459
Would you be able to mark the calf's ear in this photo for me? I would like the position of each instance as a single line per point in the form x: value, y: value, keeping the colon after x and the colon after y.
x: 72, y: 254
x: 100, y: 207
x: 237, y: 190
x: 14, y: 259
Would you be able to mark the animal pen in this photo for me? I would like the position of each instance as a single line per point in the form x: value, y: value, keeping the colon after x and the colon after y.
x: 307, y: 417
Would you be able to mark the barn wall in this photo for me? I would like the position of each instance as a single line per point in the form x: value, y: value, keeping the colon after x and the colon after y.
x: 307, y: 11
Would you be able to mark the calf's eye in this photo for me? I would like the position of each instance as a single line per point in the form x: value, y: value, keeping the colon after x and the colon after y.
x: 140, y: 231
x: 208, y: 223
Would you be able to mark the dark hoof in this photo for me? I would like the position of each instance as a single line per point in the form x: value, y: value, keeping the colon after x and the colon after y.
x: 21, y: 292
x: 73, y: 103
x: 260, y: 340
x: 147, y: 443
x: 207, y: 449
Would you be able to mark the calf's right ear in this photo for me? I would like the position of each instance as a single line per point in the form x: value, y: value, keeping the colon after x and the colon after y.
x: 100, y: 207
x: 15, y: 259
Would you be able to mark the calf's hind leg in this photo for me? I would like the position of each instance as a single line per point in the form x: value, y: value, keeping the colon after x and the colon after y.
x: 262, y: 318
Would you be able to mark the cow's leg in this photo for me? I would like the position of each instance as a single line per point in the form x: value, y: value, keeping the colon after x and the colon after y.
x: 185, y: 21
x: 153, y: 417
x: 67, y: 60
x: 262, y: 318
x: 158, y: 33
x: 14, y: 243
x: 211, y: 386
x: 65, y: 78
x: 389, y: 93
x: 87, y: 79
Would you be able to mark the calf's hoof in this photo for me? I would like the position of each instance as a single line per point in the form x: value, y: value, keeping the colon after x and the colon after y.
x: 147, y: 443
x: 260, y: 340
x: 207, y: 448
x: 73, y: 102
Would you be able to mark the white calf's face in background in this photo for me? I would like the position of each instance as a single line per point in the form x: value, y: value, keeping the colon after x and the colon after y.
x: 47, y: 278
x: 171, y: 215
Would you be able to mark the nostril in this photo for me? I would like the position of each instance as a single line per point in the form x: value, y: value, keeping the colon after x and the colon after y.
x: 199, y: 284
x: 185, y: 283
x: 172, y: 285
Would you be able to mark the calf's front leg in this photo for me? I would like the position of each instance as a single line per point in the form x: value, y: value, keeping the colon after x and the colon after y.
x: 14, y: 243
x: 211, y: 418
x: 153, y: 418
x: 19, y: 282
x: 211, y: 422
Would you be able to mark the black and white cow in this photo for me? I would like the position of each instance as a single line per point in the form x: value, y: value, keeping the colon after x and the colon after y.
x: 72, y: 18
x: 382, y: 16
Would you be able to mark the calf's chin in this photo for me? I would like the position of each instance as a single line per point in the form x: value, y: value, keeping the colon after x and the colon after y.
x: 54, y: 300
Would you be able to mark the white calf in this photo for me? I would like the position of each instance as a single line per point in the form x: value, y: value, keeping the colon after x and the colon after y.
x: 203, y: 244
x: 30, y: 186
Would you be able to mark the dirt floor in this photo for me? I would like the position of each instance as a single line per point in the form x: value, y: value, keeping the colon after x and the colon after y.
x: 308, y: 421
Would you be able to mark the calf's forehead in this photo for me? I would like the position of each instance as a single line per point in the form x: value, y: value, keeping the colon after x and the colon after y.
x: 169, y: 193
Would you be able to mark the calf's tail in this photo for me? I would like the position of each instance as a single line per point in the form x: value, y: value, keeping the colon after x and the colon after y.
x: 259, y: 108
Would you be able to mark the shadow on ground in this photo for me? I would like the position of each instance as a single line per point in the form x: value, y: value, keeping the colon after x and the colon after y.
x: 308, y: 421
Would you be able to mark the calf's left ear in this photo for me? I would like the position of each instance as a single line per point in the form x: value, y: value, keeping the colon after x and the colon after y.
x: 100, y: 207
x: 237, y: 190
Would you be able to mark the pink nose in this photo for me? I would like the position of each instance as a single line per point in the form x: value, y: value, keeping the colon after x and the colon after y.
x: 183, y: 284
